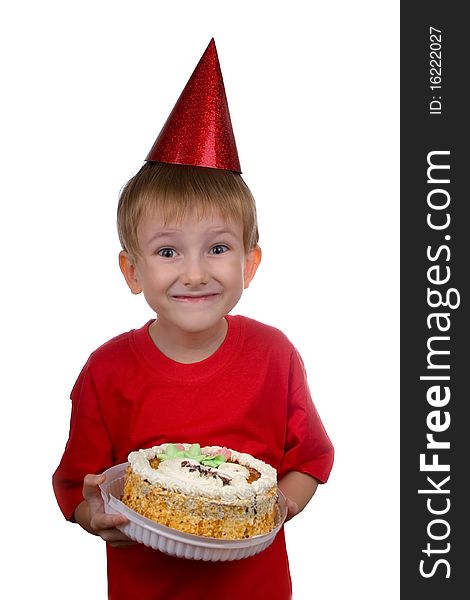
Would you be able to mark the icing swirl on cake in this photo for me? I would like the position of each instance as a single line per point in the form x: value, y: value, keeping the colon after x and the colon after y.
x: 227, y: 481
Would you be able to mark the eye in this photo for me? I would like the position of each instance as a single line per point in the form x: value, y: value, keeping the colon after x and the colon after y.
x: 166, y: 253
x: 219, y: 249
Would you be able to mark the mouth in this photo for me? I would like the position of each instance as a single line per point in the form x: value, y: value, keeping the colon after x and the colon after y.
x: 193, y: 298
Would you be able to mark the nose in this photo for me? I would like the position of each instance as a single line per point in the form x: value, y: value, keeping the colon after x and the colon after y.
x: 194, y: 271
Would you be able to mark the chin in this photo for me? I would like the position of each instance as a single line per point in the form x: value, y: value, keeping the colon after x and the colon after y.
x: 194, y: 322
x: 199, y: 325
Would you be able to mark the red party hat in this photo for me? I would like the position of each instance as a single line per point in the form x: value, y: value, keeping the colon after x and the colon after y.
x: 199, y: 130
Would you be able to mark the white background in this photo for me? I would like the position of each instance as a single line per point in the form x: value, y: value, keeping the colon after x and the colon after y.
x: 313, y: 93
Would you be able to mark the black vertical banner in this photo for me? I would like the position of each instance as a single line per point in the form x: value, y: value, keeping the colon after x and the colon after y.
x: 435, y: 298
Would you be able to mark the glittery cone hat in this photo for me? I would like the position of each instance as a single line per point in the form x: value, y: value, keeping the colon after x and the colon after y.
x: 199, y: 130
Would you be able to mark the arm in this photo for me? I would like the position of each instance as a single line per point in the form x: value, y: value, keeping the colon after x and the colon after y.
x: 298, y: 488
x: 89, y: 450
x: 307, y: 446
x: 90, y: 514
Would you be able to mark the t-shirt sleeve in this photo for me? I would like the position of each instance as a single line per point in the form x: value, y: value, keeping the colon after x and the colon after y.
x: 308, y: 448
x: 88, y: 448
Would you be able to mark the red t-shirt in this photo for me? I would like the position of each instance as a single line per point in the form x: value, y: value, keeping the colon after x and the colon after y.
x: 250, y: 395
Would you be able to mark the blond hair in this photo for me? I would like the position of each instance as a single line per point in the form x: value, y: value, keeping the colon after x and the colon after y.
x: 175, y: 189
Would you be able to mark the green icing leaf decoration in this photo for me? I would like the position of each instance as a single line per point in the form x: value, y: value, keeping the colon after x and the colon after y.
x: 171, y: 452
x: 214, y: 461
x: 194, y: 453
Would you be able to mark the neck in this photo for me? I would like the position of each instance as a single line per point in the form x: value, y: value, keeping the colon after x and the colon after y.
x: 187, y: 347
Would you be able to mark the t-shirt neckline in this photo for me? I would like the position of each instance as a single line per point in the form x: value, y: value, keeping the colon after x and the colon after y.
x: 185, y: 372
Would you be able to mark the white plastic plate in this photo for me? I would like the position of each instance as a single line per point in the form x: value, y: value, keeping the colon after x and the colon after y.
x: 174, y: 542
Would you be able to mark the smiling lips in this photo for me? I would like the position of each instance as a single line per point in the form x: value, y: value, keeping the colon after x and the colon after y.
x: 195, y: 298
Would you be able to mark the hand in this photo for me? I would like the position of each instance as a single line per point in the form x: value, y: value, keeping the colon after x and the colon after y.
x: 298, y: 488
x: 292, y: 508
x: 93, y: 518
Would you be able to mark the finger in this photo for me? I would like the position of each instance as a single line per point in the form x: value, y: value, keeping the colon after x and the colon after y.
x: 292, y: 509
x: 101, y: 521
x: 114, y: 537
x: 91, y: 483
x: 91, y: 493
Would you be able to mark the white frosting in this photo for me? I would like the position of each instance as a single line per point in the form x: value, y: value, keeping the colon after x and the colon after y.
x: 227, y: 482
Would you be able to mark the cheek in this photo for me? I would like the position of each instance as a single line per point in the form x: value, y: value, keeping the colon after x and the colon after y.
x: 157, y: 276
x: 233, y: 272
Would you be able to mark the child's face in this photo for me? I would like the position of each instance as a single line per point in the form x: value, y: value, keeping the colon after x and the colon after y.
x: 191, y: 273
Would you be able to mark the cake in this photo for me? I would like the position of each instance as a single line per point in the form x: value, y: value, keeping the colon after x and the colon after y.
x: 212, y: 491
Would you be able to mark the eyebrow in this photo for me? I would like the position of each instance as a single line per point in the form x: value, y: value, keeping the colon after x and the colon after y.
x: 222, y: 230
x: 172, y: 232
x: 162, y: 234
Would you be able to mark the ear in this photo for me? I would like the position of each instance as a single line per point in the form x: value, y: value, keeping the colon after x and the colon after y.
x: 252, y: 260
x: 128, y: 268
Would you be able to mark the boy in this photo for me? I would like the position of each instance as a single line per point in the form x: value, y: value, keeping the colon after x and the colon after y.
x: 188, y: 230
